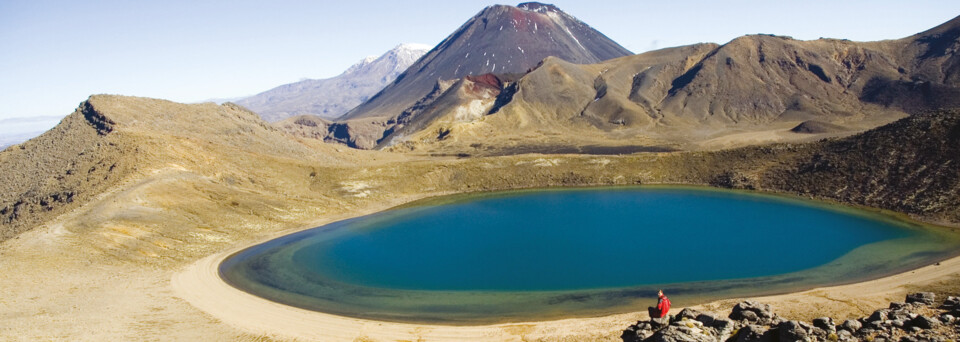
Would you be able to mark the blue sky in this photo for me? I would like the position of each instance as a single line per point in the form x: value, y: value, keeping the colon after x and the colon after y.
x: 56, y: 53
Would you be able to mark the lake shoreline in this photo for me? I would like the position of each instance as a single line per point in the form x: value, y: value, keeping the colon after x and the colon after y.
x: 201, y: 285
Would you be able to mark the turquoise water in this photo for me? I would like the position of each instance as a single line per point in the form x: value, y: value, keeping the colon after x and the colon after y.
x: 529, y: 255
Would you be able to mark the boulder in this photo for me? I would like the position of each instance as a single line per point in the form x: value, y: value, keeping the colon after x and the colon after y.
x: 878, y: 316
x: 659, y: 323
x: 924, y: 322
x: 851, y: 325
x: 950, y: 303
x: 866, y: 331
x: 681, y: 333
x: 724, y: 328
x: 761, y: 310
x: 844, y: 335
x: 825, y: 323
x: 755, y: 333
x: 925, y: 298
x: 687, y: 313
x: 901, y: 314
x: 897, y: 305
x: 706, y: 319
x: 792, y: 331
x: 820, y: 334
x: 748, y: 316
x: 634, y: 334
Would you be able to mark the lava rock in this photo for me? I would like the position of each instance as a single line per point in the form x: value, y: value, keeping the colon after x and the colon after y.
x: 820, y: 334
x: 950, y: 303
x: 724, y: 328
x: 924, y: 322
x: 791, y: 331
x: 681, y: 333
x: 634, y: 334
x: 825, y: 323
x: 844, y: 335
x: 897, y: 305
x: 851, y: 325
x: 760, y: 310
x: 749, y: 316
x: 925, y: 298
x: 706, y: 319
x: 866, y: 331
x: 659, y: 323
x: 687, y: 313
x: 878, y: 316
x: 947, y: 318
x: 755, y: 333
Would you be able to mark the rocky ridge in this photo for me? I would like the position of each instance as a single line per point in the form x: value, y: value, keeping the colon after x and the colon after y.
x: 918, y: 318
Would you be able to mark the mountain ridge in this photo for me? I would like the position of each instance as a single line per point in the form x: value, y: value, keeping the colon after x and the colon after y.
x: 331, y: 97
x: 521, y: 37
x: 706, y: 96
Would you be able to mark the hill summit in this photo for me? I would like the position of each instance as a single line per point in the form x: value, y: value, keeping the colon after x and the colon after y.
x: 500, y: 39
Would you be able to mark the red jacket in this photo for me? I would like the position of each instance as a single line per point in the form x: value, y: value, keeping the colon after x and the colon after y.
x: 663, y: 304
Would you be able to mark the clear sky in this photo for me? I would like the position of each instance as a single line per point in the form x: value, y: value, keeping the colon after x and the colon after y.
x: 53, y: 54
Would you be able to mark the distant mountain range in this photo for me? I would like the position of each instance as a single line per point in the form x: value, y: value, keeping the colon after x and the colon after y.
x: 532, y: 78
x: 17, y: 130
x: 501, y: 39
x: 332, y: 97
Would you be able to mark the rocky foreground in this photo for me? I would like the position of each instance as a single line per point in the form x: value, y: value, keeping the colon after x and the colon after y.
x: 919, y: 318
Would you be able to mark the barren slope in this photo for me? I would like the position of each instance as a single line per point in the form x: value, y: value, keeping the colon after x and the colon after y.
x: 754, y: 89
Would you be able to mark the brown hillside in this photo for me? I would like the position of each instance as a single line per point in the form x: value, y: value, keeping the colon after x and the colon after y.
x: 110, y: 141
x: 754, y: 89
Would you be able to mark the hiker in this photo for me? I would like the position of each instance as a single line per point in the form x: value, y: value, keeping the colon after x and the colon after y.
x: 663, y: 306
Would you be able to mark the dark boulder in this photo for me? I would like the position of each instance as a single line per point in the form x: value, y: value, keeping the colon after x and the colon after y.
x: 825, y: 323
x: 687, y: 313
x: 723, y: 327
x: 756, y: 333
x: 659, y: 323
x: 707, y: 320
x: 681, y: 333
x: 792, y: 331
x: 878, y: 316
x: 951, y: 303
x: 761, y: 310
x: 637, y: 332
x: 925, y: 298
x: 924, y: 322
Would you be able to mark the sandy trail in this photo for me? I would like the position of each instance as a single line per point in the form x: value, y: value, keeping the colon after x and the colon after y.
x: 201, y: 286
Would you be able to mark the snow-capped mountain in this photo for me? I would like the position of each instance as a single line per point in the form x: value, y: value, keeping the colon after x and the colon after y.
x: 500, y: 40
x: 331, y: 97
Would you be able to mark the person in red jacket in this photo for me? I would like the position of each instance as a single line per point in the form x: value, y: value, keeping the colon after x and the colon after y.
x: 663, y: 306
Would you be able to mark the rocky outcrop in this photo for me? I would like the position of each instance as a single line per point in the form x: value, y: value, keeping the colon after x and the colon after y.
x: 917, y: 319
x: 909, y: 166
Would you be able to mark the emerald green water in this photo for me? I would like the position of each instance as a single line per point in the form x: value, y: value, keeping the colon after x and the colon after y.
x: 532, y: 255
